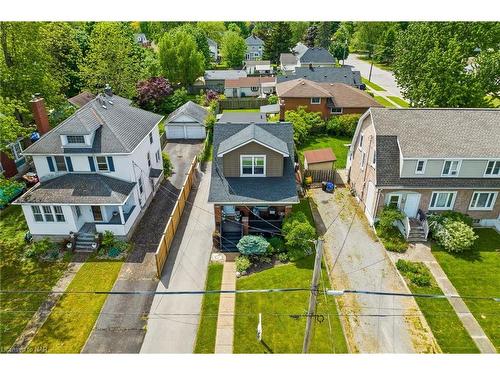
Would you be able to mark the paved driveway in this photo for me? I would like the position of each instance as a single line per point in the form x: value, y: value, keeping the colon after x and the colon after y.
x: 381, y: 77
x: 181, y: 154
x: 373, y: 324
x: 173, y: 320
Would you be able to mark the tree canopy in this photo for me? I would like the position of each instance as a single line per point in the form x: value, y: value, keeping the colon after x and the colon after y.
x: 279, y: 41
x: 213, y: 29
x: 233, y: 49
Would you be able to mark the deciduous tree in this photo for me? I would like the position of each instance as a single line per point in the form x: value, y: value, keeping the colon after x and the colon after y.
x: 233, y: 49
x: 214, y: 30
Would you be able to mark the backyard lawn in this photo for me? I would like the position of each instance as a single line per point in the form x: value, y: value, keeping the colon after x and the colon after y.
x: 72, y: 319
x: 477, y: 273
x: 205, y: 339
x: 442, y: 319
x: 337, y: 144
x: 18, y: 273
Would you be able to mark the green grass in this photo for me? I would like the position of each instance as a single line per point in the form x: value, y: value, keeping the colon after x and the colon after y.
x: 399, y: 101
x: 324, y: 141
x: 392, y: 239
x: 17, y: 273
x: 477, y: 273
x: 372, y: 85
x: 282, y: 329
x: 303, y: 206
x: 242, y: 110
x: 442, y: 319
x: 384, y: 101
x: 205, y: 339
x: 383, y: 66
x: 493, y: 102
x: 72, y: 319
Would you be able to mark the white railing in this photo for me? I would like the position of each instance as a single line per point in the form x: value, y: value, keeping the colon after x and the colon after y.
x: 425, y: 225
x: 404, y: 226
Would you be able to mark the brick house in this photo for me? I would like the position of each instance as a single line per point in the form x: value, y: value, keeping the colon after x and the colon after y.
x: 427, y: 160
x: 253, y: 184
x: 327, y: 98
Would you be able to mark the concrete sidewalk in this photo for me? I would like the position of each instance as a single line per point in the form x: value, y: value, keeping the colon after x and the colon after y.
x: 173, y: 320
x: 227, y: 303
x: 421, y: 252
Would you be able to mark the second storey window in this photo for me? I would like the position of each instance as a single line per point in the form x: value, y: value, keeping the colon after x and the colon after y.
x: 483, y: 200
x: 47, y: 213
x: 493, y: 168
x: 253, y: 165
x: 102, y: 163
x: 149, y: 159
x: 442, y: 200
x: 315, y: 100
x: 37, y: 214
x: 450, y: 168
x: 151, y: 137
x: 60, y: 163
x: 420, y: 169
x: 75, y: 139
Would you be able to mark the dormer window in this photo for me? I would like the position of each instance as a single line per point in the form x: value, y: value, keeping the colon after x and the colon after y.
x: 451, y: 168
x: 253, y: 165
x: 75, y: 139
x: 492, y: 168
x: 420, y: 168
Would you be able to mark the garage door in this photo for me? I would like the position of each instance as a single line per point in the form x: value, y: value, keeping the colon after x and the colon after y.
x: 195, y: 132
x: 175, y: 132
x: 185, y: 132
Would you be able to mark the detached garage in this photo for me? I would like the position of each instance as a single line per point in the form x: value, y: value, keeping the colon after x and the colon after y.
x: 187, y: 122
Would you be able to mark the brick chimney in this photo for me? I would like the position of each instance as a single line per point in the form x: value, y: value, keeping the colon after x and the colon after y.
x: 282, y: 110
x: 40, y: 114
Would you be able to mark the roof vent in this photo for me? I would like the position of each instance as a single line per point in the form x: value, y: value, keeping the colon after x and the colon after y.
x: 107, y: 90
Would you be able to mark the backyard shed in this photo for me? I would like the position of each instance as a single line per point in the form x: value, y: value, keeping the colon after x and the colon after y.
x: 322, y: 159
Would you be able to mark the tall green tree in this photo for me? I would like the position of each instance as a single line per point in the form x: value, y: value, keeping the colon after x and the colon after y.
x: 431, y: 59
x: 113, y: 58
x: 279, y: 41
x: 62, y: 43
x: 26, y: 67
x: 180, y: 60
x: 310, y: 35
x: 10, y: 127
x: 298, y: 29
x: 233, y: 48
x: 368, y: 35
x: 213, y: 29
x: 200, y: 37
x: 325, y: 33
x: 384, y: 52
x: 242, y: 25
x: 339, y: 46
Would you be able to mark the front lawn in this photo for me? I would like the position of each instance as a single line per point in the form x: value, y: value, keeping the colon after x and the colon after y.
x: 72, y: 319
x: 442, y: 319
x: 337, y: 144
x: 207, y: 329
x: 283, y: 320
x: 372, y: 85
x: 399, y: 101
x: 477, y: 273
x: 384, y: 101
x: 19, y: 273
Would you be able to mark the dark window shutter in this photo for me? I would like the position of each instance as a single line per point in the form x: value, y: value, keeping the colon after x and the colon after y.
x: 69, y: 164
x: 51, y: 164
x: 111, y: 164
x: 91, y: 163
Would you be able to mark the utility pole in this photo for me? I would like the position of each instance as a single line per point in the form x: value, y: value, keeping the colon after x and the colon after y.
x: 371, y: 67
x: 314, y: 294
x: 343, y: 56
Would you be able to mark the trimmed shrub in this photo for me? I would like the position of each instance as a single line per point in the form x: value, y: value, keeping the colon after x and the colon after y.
x: 242, y: 263
x: 276, y: 245
x: 343, y: 125
x: 388, y: 216
x: 416, y: 272
x: 304, y: 123
x: 452, y: 215
x: 273, y: 99
x: 39, y: 248
x: 252, y: 245
x: 299, y: 234
x: 283, y: 257
x: 108, y: 240
x: 454, y: 236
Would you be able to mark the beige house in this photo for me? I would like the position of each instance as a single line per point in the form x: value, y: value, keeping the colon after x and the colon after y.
x: 427, y: 160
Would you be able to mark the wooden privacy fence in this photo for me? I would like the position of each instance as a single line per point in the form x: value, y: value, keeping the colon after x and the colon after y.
x: 174, y: 220
x: 320, y: 175
x: 242, y: 103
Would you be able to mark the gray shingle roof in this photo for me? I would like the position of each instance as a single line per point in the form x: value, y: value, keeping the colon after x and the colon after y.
x: 76, y: 188
x: 242, y: 117
x: 253, y: 189
x: 224, y: 74
x: 193, y: 110
x: 388, y: 171
x: 436, y: 133
x: 118, y: 129
x: 316, y: 55
x: 288, y: 59
x: 256, y: 133
x: 253, y: 40
x: 344, y: 74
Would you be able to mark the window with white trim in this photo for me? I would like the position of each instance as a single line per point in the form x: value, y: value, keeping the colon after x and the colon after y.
x: 16, y: 150
x: 75, y: 139
x: 361, y: 138
x: 420, y: 168
x: 336, y: 111
x: 450, y: 168
x: 483, y: 200
x: 47, y: 213
x: 37, y: 214
x: 59, y: 213
x: 394, y: 200
x: 102, y: 163
x: 253, y: 165
x: 157, y: 156
x: 78, y: 211
x: 60, y: 163
x: 362, y: 160
x: 492, y: 168
x: 315, y: 100
x: 442, y: 200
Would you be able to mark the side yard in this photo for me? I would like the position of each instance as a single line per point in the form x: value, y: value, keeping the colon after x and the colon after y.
x: 18, y: 272
x: 477, y: 273
x: 336, y: 143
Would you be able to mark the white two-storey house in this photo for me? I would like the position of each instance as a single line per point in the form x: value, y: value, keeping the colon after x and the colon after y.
x: 99, y: 169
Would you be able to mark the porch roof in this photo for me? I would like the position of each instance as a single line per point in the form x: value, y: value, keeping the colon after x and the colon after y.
x: 79, y: 188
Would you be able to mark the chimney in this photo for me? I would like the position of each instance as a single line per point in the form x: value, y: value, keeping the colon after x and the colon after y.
x: 107, y: 90
x: 282, y: 110
x: 40, y: 114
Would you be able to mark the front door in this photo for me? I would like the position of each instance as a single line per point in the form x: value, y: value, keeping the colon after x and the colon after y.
x: 411, y: 204
x: 97, y: 213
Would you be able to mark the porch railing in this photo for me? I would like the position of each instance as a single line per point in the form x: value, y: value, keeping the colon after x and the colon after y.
x: 404, y: 226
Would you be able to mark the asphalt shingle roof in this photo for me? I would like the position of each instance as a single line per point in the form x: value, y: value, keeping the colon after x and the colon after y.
x: 253, y: 189
x: 247, y: 117
x: 193, y: 110
x: 119, y: 128
x: 316, y: 55
x: 253, y: 40
x: 248, y: 82
x: 224, y: 74
x: 436, y: 133
x: 79, y: 188
x: 288, y: 59
x: 344, y: 74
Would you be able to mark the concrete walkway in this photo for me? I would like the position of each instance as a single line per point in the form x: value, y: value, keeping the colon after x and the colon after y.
x: 47, y: 306
x: 225, y: 319
x: 173, y: 321
x: 373, y: 323
x: 421, y: 252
